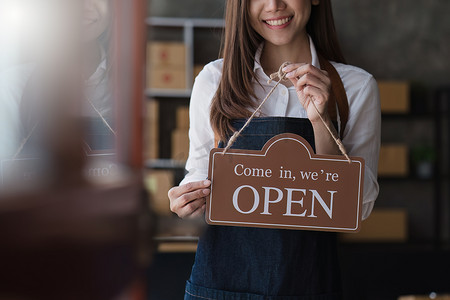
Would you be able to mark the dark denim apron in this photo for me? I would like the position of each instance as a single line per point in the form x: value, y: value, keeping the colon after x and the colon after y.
x: 258, y: 263
x: 98, y: 136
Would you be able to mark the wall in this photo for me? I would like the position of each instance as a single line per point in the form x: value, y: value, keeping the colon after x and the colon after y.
x: 395, y: 39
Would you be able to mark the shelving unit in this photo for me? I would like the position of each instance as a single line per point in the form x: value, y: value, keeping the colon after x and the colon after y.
x: 424, y: 201
x: 186, y: 30
x: 188, y: 27
x: 171, y: 98
x: 164, y: 163
x: 442, y: 186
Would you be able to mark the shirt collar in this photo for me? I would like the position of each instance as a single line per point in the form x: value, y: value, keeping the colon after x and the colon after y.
x: 259, y: 70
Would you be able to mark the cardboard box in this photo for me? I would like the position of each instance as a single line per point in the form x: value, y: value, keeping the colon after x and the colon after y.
x: 166, y: 78
x: 151, y: 130
x: 383, y: 225
x: 175, y: 247
x: 394, y: 160
x: 158, y: 183
x: 197, y: 70
x: 180, y: 144
x: 394, y: 96
x: 166, y: 54
x: 182, y: 117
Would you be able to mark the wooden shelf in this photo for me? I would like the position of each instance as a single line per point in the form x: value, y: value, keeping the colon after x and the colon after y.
x: 176, y: 244
x: 168, y: 93
x: 185, y: 22
x: 164, y: 163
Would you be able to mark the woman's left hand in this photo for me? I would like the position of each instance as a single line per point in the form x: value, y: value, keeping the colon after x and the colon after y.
x: 312, y: 84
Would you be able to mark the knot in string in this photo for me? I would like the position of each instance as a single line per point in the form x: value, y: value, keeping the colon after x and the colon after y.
x: 281, y: 75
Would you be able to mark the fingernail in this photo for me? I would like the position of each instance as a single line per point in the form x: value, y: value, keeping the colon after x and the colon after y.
x: 206, y: 182
x: 206, y: 191
x: 285, y: 69
x: 290, y: 74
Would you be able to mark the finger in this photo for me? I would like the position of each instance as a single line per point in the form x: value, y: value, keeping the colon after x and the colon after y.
x: 309, y: 69
x: 311, y: 80
x: 292, y: 67
x: 190, y: 208
x: 199, y: 212
x: 313, y: 94
x: 177, y: 191
x: 187, y: 198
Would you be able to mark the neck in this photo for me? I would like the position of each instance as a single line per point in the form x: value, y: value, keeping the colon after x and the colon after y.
x: 91, y: 58
x: 273, y: 56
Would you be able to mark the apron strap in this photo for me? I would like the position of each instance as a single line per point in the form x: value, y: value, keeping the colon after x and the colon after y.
x: 338, y: 95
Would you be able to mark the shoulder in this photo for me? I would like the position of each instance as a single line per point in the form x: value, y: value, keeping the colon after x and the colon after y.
x: 358, y: 83
x: 352, y: 76
x: 206, y: 83
x: 211, y: 71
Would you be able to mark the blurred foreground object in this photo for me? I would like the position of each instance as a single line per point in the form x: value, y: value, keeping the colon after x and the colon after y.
x: 83, y: 231
x: 75, y: 243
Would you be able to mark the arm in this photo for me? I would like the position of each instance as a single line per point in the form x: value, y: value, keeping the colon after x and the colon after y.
x: 362, y: 137
x: 362, y: 133
x: 313, y: 89
x: 188, y: 199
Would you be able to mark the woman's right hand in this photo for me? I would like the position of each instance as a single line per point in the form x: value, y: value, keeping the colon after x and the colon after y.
x: 189, y: 200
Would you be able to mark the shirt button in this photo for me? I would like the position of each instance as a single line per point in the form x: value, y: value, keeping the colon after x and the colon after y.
x: 283, y: 92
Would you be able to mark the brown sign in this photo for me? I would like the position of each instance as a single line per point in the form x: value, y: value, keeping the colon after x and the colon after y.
x: 285, y: 185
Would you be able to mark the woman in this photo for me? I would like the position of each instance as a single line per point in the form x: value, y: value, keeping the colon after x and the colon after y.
x: 254, y: 263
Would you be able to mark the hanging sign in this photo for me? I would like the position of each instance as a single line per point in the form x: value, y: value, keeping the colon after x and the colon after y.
x: 285, y: 185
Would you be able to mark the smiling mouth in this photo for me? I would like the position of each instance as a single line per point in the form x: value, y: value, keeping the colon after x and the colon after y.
x: 278, y: 22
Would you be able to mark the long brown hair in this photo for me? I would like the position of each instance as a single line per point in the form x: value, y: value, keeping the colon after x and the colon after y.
x: 235, y: 91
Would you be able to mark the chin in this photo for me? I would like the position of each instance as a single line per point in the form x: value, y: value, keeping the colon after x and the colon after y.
x: 278, y: 42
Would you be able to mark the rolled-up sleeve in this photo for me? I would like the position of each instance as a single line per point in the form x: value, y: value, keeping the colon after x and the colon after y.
x: 362, y: 137
x: 201, y: 135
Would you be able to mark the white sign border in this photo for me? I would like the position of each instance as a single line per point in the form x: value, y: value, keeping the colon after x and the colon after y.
x: 285, y: 225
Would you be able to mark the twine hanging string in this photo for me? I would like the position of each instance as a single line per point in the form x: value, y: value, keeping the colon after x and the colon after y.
x: 281, y: 75
x: 24, y: 141
x: 336, y: 140
x: 101, y: 116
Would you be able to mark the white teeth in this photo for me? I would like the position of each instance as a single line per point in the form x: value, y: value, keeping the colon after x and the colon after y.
x: 278, y: 22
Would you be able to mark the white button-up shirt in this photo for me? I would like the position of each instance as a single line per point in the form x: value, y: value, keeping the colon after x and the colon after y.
x: 361, y: 136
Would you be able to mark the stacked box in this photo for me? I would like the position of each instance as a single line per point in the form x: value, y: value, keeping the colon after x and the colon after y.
x: 394, y: 96
x: 166, y: 65
x: 197, y: 70
x: 180, y: 136
x: 393, y: 160
x: 158, y: 183
x: 383, y: 225
x: 182, y: 121
x: 151, y: 130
